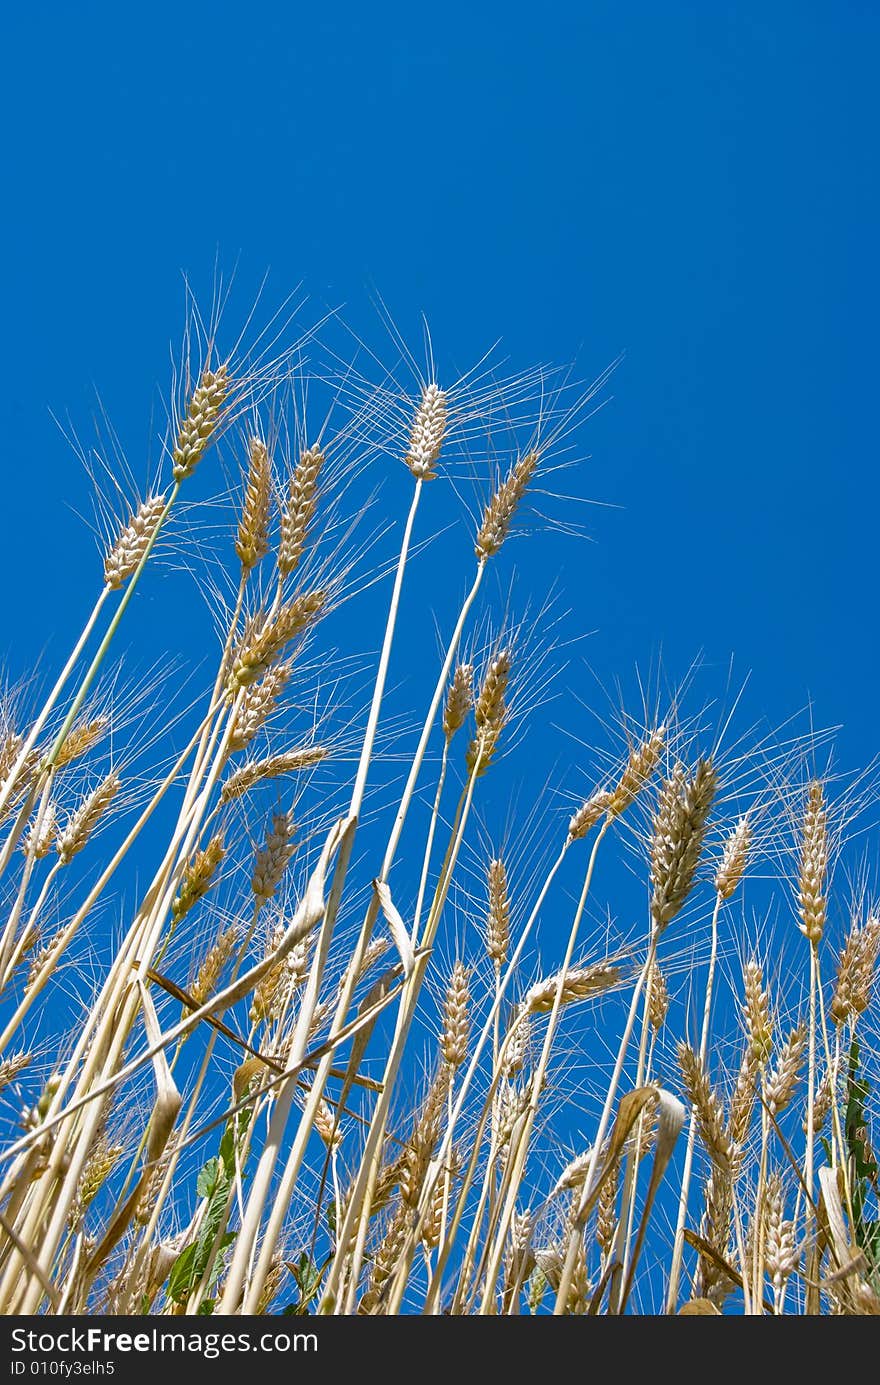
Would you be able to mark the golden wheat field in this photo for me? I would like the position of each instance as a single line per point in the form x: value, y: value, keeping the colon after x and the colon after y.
x: 302, y: 1011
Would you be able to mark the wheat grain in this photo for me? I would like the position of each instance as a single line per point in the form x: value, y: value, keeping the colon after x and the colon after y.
x: 822, y: 1102
x: 326, y: 1126
x: 42, y: 957
x: 780, y: 1245
x: 658, y: 1000
x: 855, y: 971
x: 456, y: 1026
x: 606, y: 1209
x: 510, y: 1104
x: 814, y: 865
x: 268, y: 634
x: 298, y: 513
x: 783, y: 1077
x: 459, y: 700
x: 17, y: 770
x: 733, y: 858
x: 490, y: 714
x: 273, y: 857
x: 79, y: 740
x: 643, y: 760
x: 11, y: 745
x: 520, y: 1257
x: 498, y: 914
x: 275, y: 1277
x: 133, y: 542
x: 252, y: 539
x: 742, y: 1101
x: 200, y: 422
x: 580, y: 983
x: 101, y: 1164
x: 578, y: 1298
x: 256, y: 705
x: 273, y: 990
x: 427, y: 433
x: 706, y: 1106
x: 712, y: 1281
x: 10, y: 1067
x: 198, y: 877
x: 498, y: 514
x: 679, y: 830
x: 211, y: 969
x: 152, y: 1184
x: 41, y: 835
x: 273, y: 767
x: 573, y: 1174
x: 595, y: 808
x: 756, y: 1012
x: 517, y: 1044
x: 416, y: 1156
x: 385, y: 1262
x: 82, y: 822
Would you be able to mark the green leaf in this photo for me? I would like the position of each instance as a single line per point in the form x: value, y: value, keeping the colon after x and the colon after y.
x: 191, y: 1264
x: 307, y: 1277
x: 209, y: 1175
x: 212, y: 1185
x: 226, y: 1240
x: 183, y: 1278
x: 227, y: 1149
x: 863, y: 1164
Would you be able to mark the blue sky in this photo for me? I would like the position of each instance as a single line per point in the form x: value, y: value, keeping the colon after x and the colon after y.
x: 691, y: 184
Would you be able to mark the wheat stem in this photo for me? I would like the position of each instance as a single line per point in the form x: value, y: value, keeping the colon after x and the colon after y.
x: 433, y: 1294
x: 678, y: 1245
x: 537, y: 1081
x: 49, y: 705
x: 247, y: 1239
x: 571, y: 1253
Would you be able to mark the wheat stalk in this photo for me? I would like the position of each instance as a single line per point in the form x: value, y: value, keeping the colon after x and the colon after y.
x: 272, y: 1108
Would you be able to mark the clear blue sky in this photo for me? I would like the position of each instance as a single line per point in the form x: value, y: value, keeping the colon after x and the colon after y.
x: 693, y: 184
